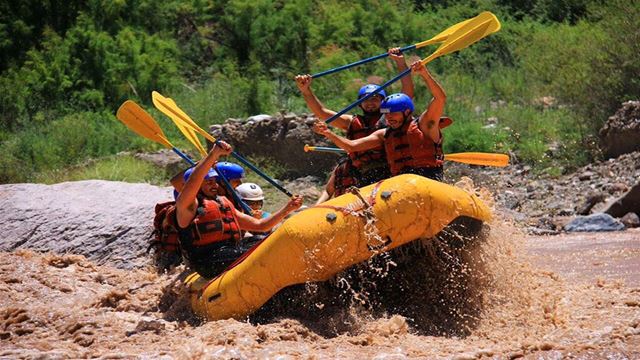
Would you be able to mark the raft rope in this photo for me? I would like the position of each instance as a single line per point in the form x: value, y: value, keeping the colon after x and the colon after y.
x: 364, y: 210
x: 366, y: 204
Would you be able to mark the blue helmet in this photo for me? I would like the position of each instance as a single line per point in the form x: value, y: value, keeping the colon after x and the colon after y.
x: 368, y: 89
x: 396, y: 103
x: 230, y: 170
x: 212, y: 174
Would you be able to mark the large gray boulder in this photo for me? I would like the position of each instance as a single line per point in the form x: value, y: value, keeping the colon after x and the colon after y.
x: 279, y: 139
x: 628, y: 202
x: 621, y: 133
x: 106, y: 221
x: 595, y: 222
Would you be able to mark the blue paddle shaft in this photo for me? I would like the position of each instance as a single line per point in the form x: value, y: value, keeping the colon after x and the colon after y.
x: 257, y: 171
x: 183, y: 156
x: 359, y: 101
x: 360, y: 62
x: 329, y: 149
x: 233, y: 193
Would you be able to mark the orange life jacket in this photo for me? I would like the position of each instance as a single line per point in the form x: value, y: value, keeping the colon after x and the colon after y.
x: 362, y: 126
x: 408, y: 147
x: 215, y: 222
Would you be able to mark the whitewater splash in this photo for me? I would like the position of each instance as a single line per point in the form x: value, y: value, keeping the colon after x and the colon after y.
x: 485, y: 299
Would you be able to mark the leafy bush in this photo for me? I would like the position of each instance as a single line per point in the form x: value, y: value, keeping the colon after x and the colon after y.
x: 64, y: 142
x: 64, y: 69
x: 114, y: 168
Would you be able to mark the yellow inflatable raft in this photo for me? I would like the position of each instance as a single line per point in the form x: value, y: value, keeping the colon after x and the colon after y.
x: 319, y: 242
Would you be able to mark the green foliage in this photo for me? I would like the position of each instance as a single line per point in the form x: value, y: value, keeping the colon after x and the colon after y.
x: 591, y: 67
x: 64, y: 142
x: 87, y: 69
x: 114, y: 168
x: 66, y: 67
x: 569, y: 11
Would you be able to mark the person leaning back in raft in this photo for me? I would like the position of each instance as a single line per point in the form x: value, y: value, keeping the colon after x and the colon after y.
x: 209, y: 226
x: 412, y: 145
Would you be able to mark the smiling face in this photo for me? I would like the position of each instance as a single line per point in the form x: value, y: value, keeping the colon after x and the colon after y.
x: 209, y: 188
x: 254, y: 204
x: 372, y: 104
x: 395, y: 119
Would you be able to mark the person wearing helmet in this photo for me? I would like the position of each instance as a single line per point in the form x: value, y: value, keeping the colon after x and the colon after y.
x: 234, y: 174
x: 211, y: 179
x: 412, y: 145
x: 253, y: 196
x: 360, y: 168
x: 209, y: 229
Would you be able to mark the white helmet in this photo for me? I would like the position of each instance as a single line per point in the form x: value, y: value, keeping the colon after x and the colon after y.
x: 250, y: 191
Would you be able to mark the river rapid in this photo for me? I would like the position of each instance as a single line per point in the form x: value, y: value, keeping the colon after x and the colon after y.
x: 552, y: 297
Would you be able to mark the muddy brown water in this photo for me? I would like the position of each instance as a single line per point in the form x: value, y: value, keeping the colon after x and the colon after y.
x: 566, y: 296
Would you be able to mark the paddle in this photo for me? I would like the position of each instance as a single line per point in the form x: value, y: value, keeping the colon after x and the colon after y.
x: 169, y: 107
x: 467, y: 34
x: 473, y: 158
x: 308, y: 148
x: 140, y: 122
x: 443, y: 36
x: 186, y: 131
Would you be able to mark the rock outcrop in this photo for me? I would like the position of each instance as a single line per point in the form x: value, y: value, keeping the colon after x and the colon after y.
x: 546, y: 203
x: 621, y: 133
x: 629, y: 202
x: 106, y: 221
x: 166, y: 159
x: 280, y: 139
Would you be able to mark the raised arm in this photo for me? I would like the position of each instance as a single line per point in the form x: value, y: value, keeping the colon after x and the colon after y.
x: 369, y: 142
x: 186, y: 204
x: 407, y: 82
x: 249, y: 223
x: 318, y: 109
x: 177, y: 181
x: 430, y: 118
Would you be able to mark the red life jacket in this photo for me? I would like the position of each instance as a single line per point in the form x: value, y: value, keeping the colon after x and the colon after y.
x: 215, y: 222
x: 164, y: 232
x: 362, y: 126
x: 409, y: 147
x: 165, y: 237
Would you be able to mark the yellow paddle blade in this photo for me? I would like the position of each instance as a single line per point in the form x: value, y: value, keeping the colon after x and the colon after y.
x: 171, y: 109
x: 483, y: 25
x: 140, y: 122
x: 189, y: 133
x: 443, y: 36
x: 478, y: 158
